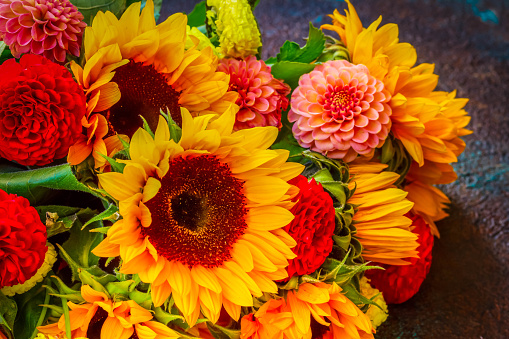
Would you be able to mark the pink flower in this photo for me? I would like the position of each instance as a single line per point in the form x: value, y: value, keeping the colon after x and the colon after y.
x: 48, y: 27
x: 340, y: 110
x: 261, y: 97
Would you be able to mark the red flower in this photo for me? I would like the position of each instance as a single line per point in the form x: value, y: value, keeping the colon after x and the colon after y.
x: 40, y: 110
x: 312, y: 227
x: 400, y: 283
x: 22, y: 240
x: 261, y: 97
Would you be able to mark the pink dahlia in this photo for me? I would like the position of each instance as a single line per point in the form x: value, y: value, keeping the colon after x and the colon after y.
x: 48, y: 27
x: 261, y: 97
x: 340, y: 110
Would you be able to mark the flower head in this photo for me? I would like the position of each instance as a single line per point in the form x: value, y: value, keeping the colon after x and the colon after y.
x: 340, y: 110
x: 312, y: 227
x: 203, y: 218
x: 316, y: 310
x: 135, y: 68
x: 400, y: 283
x: 40, y: 110
x: 261, y: 96
x: 382, y: 227
x: 377, y: 315
x: 47, y: 27
x: 22, y: 240
x: 239, y: 36
x: 101, y: 317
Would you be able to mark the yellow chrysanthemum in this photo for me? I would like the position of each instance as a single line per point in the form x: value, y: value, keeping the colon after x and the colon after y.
x: 49, y: 260
x: 203, y: 218
x: 382, y: 228
x: 102, y: 317
x: 428, y: 123
x: 377, y: 315
x: 134, y: 67
x: 239, y: 36
x: 317, y: 310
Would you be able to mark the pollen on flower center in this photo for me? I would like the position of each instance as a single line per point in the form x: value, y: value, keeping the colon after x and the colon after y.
x: 198, y: 213
x: 145, y: 91
x: 341, y: 100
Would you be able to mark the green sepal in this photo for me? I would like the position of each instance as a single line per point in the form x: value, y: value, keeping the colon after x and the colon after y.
x: 89, y: 8
x: 292, y: 284
x: 351, y: 291
x: 56, y: 311
x: 334, y: 50
x: 394, y: 154
x: 102, y: 230
x: 146, y: 126
x: 141, y: 298
x: 115, y: 165
x: 89, y: 279
x: 110, y: 213
x: 175, y: 130
x: 165, y: 318
x: 121, y: 288
x: 220, y: 332
x: 197, y: 17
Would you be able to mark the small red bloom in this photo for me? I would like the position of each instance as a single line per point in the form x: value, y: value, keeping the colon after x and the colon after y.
x: 40, y: 110
x: 312, y: 228
x: 400, y: 283
x: 22, y: 240
x: 261, y: 97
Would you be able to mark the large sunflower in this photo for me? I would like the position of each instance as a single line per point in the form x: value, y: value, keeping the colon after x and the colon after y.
x: 426, y: 122
x: 134, y: 67
x: 382, y: 228
x: 203, y: 218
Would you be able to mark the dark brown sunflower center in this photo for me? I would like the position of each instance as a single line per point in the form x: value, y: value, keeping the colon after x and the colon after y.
x: 143, y: 91
x: 198, y: 213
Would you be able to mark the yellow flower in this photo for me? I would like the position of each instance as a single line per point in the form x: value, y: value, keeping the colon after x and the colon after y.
x: 382, y: 228
x: 239, y: 36
x: 102, y: 317
x: 428, y: 123
x: 132, y: 67
x: 375, y: 314
x: 316, y: 310
x: 49, y: 260
x: 203, y: 218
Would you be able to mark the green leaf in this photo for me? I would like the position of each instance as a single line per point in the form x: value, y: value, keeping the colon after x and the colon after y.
x: 5, y: 52
x: 175, y: 130
x: 29, y: 310
x: 8, y: 310
x: 2, y: 47
x: 164, y: 317
x: 220, y: 332
x: 115, y: 166
x: 35, y: 184
x: 291, y: 71
x: 289, y: 143
x: 89, y: 8
x: 291, y: 51
x: 197, y: 16
x: 58, y: 219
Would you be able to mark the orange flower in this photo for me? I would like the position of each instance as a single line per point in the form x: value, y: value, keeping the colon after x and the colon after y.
x: 102, y: 317
x: 316, y: 310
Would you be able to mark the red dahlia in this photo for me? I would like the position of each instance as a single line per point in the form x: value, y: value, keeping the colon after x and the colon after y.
x: 22, y: 240
x: 40, y: 110
x: 312, y: 227
x: 400, y: 283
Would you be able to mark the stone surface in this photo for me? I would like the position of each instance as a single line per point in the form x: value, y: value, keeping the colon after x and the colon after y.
x: 466, y: 294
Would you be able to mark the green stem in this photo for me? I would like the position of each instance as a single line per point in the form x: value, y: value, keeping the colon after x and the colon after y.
x: 42, y: 316
x: 67, y: 319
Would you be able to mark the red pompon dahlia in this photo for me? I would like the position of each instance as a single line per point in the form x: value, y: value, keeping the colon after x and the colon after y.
x: 261, y: 97
x: 312, y: 228
x: 340, y: 110
x: 400, y: 283
x: 22, y: 240
x: 48, y: 27
x: 41, y: 107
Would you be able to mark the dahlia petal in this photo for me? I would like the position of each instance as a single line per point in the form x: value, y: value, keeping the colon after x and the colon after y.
x: 13, y: 26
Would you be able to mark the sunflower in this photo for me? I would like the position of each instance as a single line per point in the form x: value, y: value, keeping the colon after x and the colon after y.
x: 134, y: 67
x: 203, y: 218
x: 382, y: 228
x: 428, y: 123
x: 102, y: 317
x: 315, y: 310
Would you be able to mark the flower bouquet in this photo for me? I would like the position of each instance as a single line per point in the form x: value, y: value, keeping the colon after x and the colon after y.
x: 162, y: 181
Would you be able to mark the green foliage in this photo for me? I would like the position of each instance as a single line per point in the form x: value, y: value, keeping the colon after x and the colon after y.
x: 5, y: 52
x: 175, y: 130
x: 36, y: 184
x: 220, y: 332
x: 30, y: 311
x: 58, y: 219
x: 8, y: 310
x: 89, y: 8
x: 394, y: 154
x: 291, y: 71
x: 197, y: 17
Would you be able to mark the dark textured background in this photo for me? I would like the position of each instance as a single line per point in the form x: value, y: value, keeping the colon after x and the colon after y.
x: 466, y: 294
